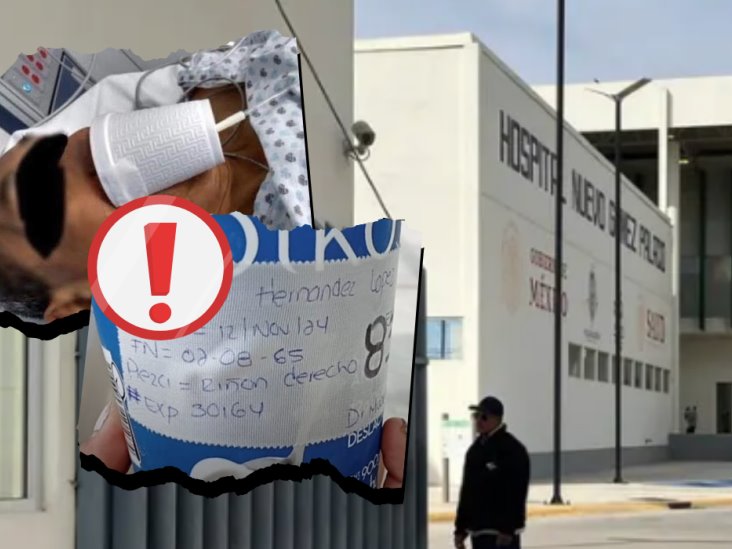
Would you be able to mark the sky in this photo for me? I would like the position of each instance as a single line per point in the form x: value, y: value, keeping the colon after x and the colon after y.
x: 607, y: 40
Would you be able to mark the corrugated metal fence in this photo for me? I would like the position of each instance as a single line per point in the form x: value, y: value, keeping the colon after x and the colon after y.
x: 313, y: 514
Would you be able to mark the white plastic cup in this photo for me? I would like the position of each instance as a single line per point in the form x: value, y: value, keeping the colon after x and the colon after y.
x: 144, y: 152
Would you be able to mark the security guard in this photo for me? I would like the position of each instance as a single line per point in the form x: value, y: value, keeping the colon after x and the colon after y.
x: 492, y: 506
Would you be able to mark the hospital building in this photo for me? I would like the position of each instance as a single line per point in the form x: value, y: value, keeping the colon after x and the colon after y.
x: 466, y: 153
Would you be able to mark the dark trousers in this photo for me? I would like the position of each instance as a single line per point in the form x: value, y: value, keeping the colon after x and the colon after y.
x: 489, y: 542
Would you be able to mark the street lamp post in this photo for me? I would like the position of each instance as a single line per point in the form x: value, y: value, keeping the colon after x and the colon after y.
x: 618, y: 100
x: 558, y: 260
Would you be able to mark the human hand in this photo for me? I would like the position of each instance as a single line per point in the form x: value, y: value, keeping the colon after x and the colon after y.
x: 393, y: 453
x: 459, y: 540
x: 107, y: 443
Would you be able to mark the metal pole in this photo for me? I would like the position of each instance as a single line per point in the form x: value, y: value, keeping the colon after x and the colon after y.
x: 617, y: 369
x: 558, y: 260
x: 420, y: 464
x: 618, y: 297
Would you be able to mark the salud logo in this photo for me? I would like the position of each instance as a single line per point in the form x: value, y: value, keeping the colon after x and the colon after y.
x: 642, y: 315
x: 592, y: 301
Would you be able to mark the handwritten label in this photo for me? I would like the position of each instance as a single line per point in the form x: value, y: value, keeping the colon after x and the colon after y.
x: 296, y: 355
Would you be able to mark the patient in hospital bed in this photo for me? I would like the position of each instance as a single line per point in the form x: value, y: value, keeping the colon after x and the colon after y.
x: 52, y: 202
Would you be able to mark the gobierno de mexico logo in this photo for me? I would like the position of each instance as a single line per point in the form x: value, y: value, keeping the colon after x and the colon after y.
x: 511, y: 268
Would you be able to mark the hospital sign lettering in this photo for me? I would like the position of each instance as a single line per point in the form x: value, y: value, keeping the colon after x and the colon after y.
x: 528, y: 156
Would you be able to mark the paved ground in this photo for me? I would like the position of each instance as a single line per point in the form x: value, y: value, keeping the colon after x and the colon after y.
x: 707, y: 529
x: 645, y: 488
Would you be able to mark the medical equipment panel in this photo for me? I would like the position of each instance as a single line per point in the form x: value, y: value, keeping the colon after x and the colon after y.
x: 40, y: 83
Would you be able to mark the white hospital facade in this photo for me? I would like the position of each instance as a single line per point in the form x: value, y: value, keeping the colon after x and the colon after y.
x: 465, y: 152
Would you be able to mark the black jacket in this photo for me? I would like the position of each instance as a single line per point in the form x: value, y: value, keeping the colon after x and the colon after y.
x: 495, y: 485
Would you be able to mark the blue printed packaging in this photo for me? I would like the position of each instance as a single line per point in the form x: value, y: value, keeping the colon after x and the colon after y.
x: 292, y: 368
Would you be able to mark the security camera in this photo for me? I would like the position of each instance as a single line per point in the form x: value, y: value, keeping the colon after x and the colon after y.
x: 364, y: 133
x: 364, y: 138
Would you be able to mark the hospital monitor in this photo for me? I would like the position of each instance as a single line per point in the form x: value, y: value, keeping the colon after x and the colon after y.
x: 39, y: 83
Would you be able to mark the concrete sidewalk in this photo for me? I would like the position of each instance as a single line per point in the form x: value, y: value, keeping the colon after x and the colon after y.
x: 647, y: 488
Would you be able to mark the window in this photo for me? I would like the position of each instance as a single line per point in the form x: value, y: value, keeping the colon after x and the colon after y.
x: 628, y: 372
x: 615, y: 370
x: 690, y: 248
x: 603, y: 367
x: 658, y: 379
x: 575, y: 360
x: 705, y: 244
x: 638, y: 375
x: 716, y: 279
x: 649, y: 377
x: 12, y: 414
x: 434, y: 338
x: 590, y: 358
x: 666, y: 381
x: 717, y: 245
x: 689, y: 287
x: 445, y: 338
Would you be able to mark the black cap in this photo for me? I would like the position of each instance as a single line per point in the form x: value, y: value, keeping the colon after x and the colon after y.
x: 489, y: 406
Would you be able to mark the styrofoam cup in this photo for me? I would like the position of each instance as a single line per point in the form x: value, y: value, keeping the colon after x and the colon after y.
x: 144, y: 152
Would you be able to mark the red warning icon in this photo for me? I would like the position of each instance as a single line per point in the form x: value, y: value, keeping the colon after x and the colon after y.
x: 160, y: 239
x: 160, y: 267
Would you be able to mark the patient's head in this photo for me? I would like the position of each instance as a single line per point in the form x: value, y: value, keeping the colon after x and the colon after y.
x: 43, y: 277
x: 21, y: 292
x: 54, y: 263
